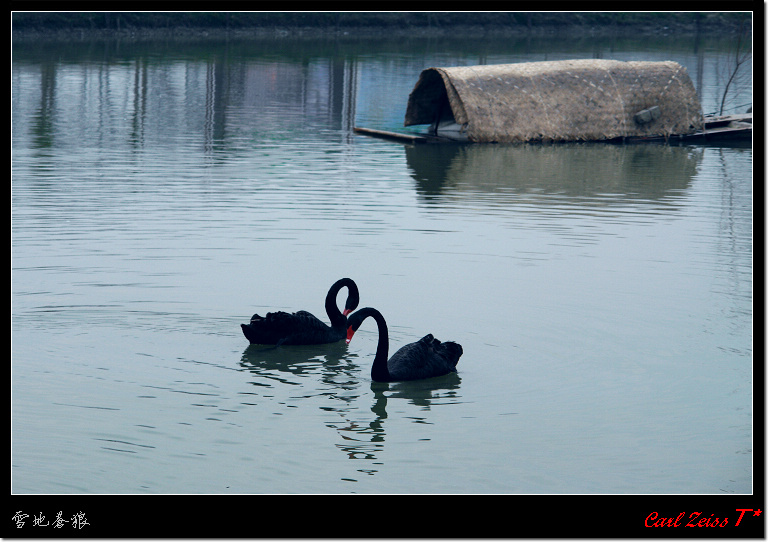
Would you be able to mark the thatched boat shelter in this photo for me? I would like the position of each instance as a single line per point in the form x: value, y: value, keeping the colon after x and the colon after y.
x: 566, y: 100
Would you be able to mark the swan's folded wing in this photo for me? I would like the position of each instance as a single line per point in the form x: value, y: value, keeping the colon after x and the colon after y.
x: 441, y: 354
x: 451, y: 352
x: 425, y: 358
x: 448, y: 348
x: 282, y: 327
x: 285, y: 323
x: 307, y: 320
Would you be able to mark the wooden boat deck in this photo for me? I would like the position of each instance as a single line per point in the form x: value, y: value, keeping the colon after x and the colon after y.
x: 727, y: 128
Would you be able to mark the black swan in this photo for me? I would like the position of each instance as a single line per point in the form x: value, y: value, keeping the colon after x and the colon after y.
x: 425, y: 358
x: 302, y: 327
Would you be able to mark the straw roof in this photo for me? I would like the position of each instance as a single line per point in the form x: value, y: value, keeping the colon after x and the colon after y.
x: 567, y: 100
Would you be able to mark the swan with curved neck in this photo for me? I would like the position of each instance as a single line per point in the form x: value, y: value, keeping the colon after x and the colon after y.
x: 425, y: 358
x: 303, y: 327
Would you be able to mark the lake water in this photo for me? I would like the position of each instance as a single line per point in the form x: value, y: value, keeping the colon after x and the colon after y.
x: 162, y: 193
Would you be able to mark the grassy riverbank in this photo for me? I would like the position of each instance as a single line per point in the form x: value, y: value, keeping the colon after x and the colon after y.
x: 153, y: 24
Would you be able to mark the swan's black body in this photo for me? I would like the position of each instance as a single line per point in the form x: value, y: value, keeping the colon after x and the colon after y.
x: 425, y: 358
x: 302, y: 327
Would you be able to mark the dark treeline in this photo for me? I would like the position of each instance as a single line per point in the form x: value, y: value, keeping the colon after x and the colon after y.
x: 341, y: 21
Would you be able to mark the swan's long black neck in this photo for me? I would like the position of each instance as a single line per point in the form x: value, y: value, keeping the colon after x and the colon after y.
x: 338, y: 320
x: 379, y: 370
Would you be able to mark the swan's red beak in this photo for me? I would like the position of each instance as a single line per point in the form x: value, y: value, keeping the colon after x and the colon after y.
x: 350, y: 333
x: 346, y: 311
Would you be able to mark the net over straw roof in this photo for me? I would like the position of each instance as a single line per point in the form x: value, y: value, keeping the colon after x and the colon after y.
x: 567, y: 100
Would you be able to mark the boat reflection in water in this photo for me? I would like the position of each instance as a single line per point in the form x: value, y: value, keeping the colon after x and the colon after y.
x: 574, y: 172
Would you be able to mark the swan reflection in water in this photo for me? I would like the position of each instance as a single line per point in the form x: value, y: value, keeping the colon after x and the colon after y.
x: 289, y: 365
x: 365, y: 439
x: 343, y: 379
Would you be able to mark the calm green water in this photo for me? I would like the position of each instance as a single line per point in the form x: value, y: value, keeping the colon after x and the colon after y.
x: 163, y: 193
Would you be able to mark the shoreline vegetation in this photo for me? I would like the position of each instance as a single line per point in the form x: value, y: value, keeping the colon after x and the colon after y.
x: 242, y: 25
